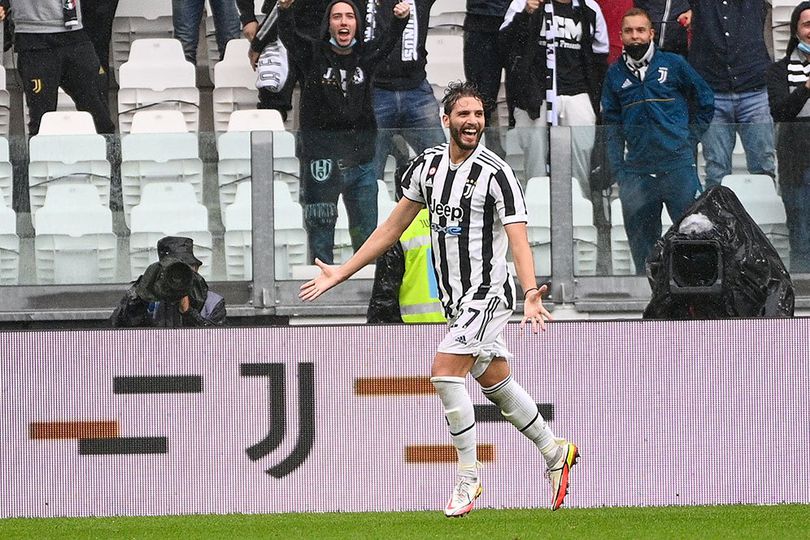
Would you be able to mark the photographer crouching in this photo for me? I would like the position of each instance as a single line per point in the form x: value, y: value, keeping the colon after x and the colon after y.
x: 170, y: 293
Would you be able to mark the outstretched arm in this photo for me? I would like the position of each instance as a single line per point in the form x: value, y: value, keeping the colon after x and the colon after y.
x: 380, y: 240
x: 533, y: 309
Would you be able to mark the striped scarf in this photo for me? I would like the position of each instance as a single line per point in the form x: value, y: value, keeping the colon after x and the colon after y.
x: 639, y: 67
x: 798, y: 71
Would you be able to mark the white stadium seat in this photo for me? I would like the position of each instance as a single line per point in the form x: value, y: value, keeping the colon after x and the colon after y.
x: 158, y: 157
x: 158, y: 121
x: 164, y: 86
x: 74, y: 240
x: 67, y: 159
x: 168, y: 209
x: 5, y: 104
x: 9, y: 244
x: 234, y: 84
x: 138, y: 19
x: 290, y: 237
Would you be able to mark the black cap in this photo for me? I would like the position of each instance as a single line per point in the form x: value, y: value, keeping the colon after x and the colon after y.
x: 174, y: 248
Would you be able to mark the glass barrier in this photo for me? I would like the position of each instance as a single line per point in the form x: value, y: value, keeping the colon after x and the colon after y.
x: 89, y: 209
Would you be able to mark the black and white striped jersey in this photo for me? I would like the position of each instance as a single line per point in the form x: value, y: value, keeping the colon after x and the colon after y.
x: 469, y: 205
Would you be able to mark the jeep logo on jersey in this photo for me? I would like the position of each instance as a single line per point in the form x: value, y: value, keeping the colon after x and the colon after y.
x: 662, y: 75
x: 320, y: 169
x: 453, y: 213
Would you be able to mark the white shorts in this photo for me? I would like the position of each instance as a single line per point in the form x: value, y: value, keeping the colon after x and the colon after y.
x: 476, y: 331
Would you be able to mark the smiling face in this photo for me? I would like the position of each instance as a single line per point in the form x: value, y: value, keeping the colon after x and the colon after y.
x: 637, y: 30
x: 466, y: 123
x: 342, y: 23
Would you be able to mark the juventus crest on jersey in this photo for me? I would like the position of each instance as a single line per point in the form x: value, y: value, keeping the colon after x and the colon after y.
x: 469, y: 205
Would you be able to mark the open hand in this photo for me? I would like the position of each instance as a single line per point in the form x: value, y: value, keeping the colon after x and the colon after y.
x: 534, y: 311
x: 314, y: 288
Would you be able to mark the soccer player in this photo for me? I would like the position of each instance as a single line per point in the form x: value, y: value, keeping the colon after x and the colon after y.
x: 476, y: 210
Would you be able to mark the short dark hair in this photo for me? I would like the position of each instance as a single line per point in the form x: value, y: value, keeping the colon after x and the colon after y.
x: 637, y: 12
x: 457, y: 90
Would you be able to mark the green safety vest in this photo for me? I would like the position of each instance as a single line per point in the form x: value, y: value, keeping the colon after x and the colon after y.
x: 419, y: 292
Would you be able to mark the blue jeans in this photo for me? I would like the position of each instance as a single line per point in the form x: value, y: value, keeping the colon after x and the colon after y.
x: 796, y: 198
x: 186, y: 16
x: 643, y: 197
x: 416, y: 114
x: 358, y: 185
x: 750, y: 114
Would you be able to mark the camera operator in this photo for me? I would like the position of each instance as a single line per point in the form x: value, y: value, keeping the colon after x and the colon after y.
x: 170, y: 293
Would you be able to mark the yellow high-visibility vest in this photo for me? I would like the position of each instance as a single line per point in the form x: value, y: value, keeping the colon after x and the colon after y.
x: 419, y: 292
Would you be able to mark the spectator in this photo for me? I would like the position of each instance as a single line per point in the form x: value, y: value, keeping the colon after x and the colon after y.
x: 403, y: 98
x: 170, y: 293
x: 186, y: 16
x: 52, y: 51
x: 614, y: 10
x: 728, y: 51
x: 97, y: 18
x: 556, y: 50
x: 789, y: 94
x: 482, y: 62
x: 670, y: 36
x: 405, y: 287
x: 336, y: 118
x: 658, y: 106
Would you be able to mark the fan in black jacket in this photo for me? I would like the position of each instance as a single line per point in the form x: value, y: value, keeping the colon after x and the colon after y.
x: 336, y: 118
x: 789, y: 97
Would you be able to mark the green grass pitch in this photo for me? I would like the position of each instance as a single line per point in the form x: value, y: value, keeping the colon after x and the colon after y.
x: 737, y: 522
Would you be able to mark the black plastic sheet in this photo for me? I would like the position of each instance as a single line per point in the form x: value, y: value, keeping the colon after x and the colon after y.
x: 750, y: 278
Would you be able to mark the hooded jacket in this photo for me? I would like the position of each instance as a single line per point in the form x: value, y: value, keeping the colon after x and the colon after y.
x: 336, y: 122
x: 792, y: 137
x: 40, y: 24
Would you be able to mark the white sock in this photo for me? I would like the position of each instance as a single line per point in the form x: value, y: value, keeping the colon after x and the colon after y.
x: 519, y: 408
x: 460, y: 416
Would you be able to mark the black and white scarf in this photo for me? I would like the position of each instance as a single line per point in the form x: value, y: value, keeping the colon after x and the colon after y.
x: 639, y: 67
x: 798, y: 71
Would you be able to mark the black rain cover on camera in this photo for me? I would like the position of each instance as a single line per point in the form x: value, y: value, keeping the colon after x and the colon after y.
x: 755, y: 281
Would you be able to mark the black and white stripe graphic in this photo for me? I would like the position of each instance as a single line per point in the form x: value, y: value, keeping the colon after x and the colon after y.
x: 469, y: 207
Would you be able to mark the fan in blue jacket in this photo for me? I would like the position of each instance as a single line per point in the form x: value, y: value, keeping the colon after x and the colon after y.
x: 657, y: 106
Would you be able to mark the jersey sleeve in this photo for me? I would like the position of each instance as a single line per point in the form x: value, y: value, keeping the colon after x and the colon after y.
x: 411, y: 180
x: 508, y: 195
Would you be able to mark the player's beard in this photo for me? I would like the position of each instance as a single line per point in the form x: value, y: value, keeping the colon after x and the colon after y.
x: 455, y: 133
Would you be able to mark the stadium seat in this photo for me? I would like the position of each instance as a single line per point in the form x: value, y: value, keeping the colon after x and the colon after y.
x: 164, y: 86
x: 5, y: 104
x: 256, y: 120
x: 385, y: 204
x: 233, y: 147
x: 6, y: 175
x: 444, y: 61
x: 290, y: 238
x: 63, y: 103
x: 585, y: 235
x: 74, y: 240
x: 168, y: 209
x: 447, y: 15
x: 158, y: 157
x: 138, y: 19
x: 234, y: 84
x: 757, y: 193
x: 67, y: 159
x: 9, y: 244
x: 780, y: 21
x: 149, y: 121
x: 157, y: 51
x: 66, y: 123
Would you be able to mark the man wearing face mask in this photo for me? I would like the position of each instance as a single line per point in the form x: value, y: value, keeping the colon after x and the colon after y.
x: 657, y: 106
x: 336, y: 118
x: 789, y: 96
